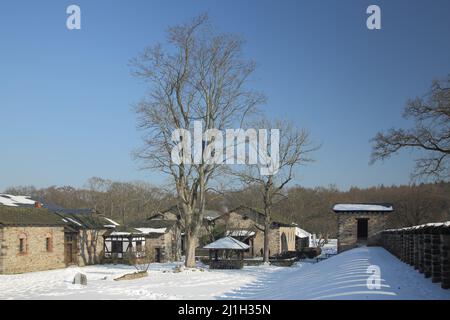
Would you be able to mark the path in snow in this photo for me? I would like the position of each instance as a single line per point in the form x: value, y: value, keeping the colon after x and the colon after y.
x: 343, y: 276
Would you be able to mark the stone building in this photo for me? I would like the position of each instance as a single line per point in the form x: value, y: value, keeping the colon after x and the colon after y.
x: 247, y: 225
x: 207, y: 229
x: 31, y: 239
x: 359, y: 222
x: 35, y: 237
x: 163, y: 240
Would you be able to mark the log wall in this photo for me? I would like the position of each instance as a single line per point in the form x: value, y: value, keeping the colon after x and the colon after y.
x: 425, y: 247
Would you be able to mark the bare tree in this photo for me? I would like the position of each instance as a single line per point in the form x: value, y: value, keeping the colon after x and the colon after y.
x: 294, y: 149
x: 431, y: 133
x: 201, y: 77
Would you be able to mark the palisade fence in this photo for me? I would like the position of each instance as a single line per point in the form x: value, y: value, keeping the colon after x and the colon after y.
x: 425, y: 247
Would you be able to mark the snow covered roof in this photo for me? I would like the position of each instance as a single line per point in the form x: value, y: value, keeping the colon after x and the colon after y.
x: 240, y: 233
x: 363, y: 207
x: 113, y: 223
x: 152, y: 230
x: 227, y: 243
x: 86, y: 218
x: 301, y: 233
x: 15, y: 201
x: 123, y: 231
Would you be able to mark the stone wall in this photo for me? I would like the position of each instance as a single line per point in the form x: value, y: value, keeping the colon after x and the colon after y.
x: 169, y: 244
x: 347, y: 227
x: 35, y: 256
x: 235, y: 221
x: 425, y: 247
x: 274, y: 243
x: 151, y: 244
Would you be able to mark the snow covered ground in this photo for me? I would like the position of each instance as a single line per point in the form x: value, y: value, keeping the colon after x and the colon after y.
x: 161, y: 283
x: 340, y: 277
x: 344, y: 276
x: 330, y: 247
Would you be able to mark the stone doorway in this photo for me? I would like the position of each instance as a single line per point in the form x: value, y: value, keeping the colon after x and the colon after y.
x: 362, y: 229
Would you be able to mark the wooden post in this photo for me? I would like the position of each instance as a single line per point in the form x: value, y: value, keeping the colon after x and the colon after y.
x: 416, y: 249
x: 398, y: 244
x: 403, y: 252
x: 445, y: 258
x: 427, y: 252
x: 407, y: 247
x: 421, y: 251
x: 391, y: 241
x: 411, y: 247
x: 436, y: 255
x: 386, y: 241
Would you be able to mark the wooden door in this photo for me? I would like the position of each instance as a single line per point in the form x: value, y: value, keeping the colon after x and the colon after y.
x: 70, y: 248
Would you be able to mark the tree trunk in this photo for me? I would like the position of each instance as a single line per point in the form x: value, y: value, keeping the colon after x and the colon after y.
x: 266, y: 241
x: 190, y: 250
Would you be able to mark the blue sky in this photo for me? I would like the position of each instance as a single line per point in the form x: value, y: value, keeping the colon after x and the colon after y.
x: 65, y: 97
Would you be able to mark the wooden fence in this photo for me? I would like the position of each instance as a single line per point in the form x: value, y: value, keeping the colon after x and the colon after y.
x: 425, y: 247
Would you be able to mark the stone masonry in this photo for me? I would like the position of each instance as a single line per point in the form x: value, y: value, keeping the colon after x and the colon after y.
x: 36, y: 255
x: 347, y: 227
x: 236, y: 221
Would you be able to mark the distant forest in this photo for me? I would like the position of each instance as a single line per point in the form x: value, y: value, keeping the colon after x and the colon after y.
x: 310, y: 208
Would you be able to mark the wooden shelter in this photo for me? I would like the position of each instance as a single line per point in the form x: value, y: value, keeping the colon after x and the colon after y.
x: 226, y: 253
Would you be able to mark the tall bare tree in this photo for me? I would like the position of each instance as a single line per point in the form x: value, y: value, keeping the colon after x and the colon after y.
x: 430, y: 133
x: 295, y: 148
x: 200, y: 77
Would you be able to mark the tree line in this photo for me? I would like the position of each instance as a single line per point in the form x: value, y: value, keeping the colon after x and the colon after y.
x: 310, y: 208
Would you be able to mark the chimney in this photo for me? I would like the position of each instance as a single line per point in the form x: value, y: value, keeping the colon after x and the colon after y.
x: 37, y: 204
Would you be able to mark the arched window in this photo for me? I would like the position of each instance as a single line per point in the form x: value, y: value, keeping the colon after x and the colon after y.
x: 49, y: 242
x: 23, y: 245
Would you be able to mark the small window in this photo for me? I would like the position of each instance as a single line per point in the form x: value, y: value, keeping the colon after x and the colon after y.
x: 138, y: 246
x: 48, y: 244
x: 22, y: 243
x: 22, y: 248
